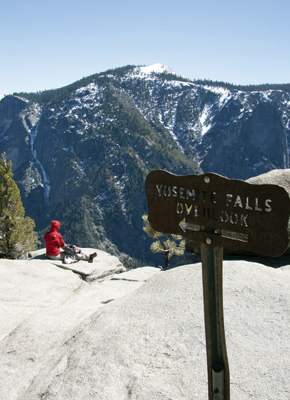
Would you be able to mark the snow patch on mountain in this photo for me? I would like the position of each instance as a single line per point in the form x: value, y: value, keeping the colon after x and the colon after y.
x: 152, y: 69
x: 223, y: 94
x: 205, y: 119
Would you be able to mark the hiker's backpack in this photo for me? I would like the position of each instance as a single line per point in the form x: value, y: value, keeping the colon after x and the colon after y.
x: 70, y: 252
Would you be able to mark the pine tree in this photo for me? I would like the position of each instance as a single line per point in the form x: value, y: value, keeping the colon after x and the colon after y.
x: 17, y: 235
x: 169, y: 246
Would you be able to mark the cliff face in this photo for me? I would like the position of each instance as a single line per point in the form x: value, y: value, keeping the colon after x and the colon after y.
x: 14, y: 133
x: 81, y: 154
x: 249, y: 145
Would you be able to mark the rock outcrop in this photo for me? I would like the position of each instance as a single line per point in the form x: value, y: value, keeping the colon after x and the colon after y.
x: 138, y: 334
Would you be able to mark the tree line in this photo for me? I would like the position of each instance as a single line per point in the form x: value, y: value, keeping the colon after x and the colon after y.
x: 56, y: 96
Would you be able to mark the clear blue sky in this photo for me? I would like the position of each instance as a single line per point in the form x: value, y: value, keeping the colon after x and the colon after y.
x: 47, y: 44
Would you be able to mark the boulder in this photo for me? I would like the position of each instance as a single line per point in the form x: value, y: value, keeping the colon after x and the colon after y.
x: 279, y: 177
x: 140, y: 334
x: 42, y: 301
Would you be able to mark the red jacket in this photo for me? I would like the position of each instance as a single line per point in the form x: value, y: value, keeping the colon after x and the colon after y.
x: 53, y: 240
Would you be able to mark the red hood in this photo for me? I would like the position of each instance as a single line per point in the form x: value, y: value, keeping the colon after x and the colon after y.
x: 55, y: 225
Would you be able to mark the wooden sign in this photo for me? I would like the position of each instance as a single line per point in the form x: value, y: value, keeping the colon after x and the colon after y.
x: 244, y: 216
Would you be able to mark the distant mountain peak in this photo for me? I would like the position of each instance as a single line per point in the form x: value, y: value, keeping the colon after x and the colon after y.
x: 157, y: 68
x: 106, y: 132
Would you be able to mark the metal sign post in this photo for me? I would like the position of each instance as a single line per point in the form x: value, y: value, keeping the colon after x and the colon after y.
x: 218, y: 212
x: 217, y: 361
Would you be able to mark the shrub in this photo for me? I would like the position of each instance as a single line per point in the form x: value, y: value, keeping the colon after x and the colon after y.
x: 168, y: 245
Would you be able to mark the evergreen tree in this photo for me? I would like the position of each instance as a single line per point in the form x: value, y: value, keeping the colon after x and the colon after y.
x: 168, y: 245
x: 17, y: 235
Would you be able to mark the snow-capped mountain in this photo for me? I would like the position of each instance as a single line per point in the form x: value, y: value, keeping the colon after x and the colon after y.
x: 81, y: 153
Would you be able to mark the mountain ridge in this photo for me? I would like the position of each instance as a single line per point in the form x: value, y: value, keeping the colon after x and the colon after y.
x: 81, y: 153
x: 161, y: 69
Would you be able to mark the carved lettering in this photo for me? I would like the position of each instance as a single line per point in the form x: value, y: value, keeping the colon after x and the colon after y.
x: 159, y: 190
x: 214, y: 216
x: 213, y: 194
x: 254, y: 205
x: 190, y: 193
x: 188, y: 209
x: 268, y: 207
x: 248, y: 207
x: 229, y: 198
x: 257, y: 208
x: 224, y: 216
x: 244, y: 220
x: 234, y: 219
x: 179, y: 208
x: 167, y: 191
x: 206, y: 212
x: 238, y: 202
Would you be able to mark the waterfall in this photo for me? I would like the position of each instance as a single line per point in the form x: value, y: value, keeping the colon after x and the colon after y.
x: 45, y: 179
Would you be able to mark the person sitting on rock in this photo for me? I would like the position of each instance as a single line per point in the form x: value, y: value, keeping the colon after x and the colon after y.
x: 54, y: 243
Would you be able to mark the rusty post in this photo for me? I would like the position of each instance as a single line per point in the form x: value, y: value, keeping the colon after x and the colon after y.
x: 217, y: 361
